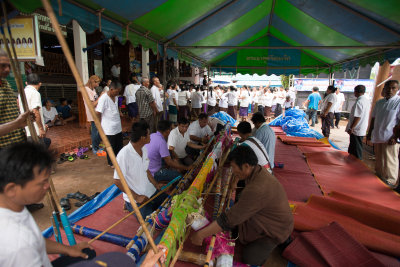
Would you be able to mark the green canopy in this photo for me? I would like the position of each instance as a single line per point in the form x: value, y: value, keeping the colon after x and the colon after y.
x: 248, y: 36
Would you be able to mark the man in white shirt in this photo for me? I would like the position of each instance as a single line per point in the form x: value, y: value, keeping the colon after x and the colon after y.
x: 24, y: 179
x: 386, y: 117
x: 246, y: 138
x: 338, y: 107
x: 155, y: 91
x: 130, y: 97
x: 358, y: 122
x: 108, y: 112
x: 179, y: 141
x: 196, y: 98
x: 280, y: 99
x: 199, y: 131
x: 327, y: 109
x: 134, y: 163
x: 116, y: 70
x: 35, y: 104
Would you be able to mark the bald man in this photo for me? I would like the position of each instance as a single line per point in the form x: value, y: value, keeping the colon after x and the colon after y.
x: 146, y: 104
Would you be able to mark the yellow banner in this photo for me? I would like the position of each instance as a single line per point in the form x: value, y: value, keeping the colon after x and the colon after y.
x: 24, y: 40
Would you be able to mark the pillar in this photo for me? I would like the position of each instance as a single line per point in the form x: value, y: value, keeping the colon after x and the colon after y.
x: 196, y: 75
x: 382, y: 75
x: 176, y: 65
x: 145, y: 63
x: 81, y: 62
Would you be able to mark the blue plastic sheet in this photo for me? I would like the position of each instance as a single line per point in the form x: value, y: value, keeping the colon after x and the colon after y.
x: 295, y: 124
x: 89, y: 208
x: 225, y: 117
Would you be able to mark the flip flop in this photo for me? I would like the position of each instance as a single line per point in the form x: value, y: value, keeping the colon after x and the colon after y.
x: 81, y: 203
x: 77, y: 195
x: 65, y: 204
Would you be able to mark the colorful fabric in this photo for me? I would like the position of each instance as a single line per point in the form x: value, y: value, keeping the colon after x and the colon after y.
x: 9, y: 112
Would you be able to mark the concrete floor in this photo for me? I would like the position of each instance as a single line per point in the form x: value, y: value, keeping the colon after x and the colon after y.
x: 87, y: 176
x: 93, y: 175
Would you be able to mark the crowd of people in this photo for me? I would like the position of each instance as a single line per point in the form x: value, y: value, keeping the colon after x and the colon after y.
x: 170, y: 128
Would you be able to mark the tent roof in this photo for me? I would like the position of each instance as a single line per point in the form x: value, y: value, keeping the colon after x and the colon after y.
x: 243, y: 35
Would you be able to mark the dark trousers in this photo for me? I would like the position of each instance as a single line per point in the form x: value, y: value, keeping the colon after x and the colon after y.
x: 149, y: 207
x: 327, y: 124
x: 116, y: 144
x: 311, y: 114
x: 337, y: 118
x: 95, y: 136
x: 261, y: 109
x: 67, y: 260
x: 258, y: 251
x: 278, y: 110
x: 355, y: 146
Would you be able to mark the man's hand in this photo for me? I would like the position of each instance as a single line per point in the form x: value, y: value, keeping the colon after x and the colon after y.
x: 349, y: 131
x: 159, y: 186
x: 392, y: 141
x: 141, y: 199
x: 22, y: 119
x: 76, y: 250
x: 197, y: 238
x: 42, y: 133
x: 151, y: 258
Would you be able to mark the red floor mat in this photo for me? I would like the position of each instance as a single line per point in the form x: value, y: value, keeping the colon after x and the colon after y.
x: 308, y: 149
x: 337, y: 171
x: 375, y: 228
x: 295, y: 176
x: 329, y: 246
x: 307, y: 141
x: 101, y: 220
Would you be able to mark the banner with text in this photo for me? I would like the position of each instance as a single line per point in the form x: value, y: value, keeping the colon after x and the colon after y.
x: 23, y: 37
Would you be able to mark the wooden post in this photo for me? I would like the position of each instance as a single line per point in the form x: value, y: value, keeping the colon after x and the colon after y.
x: 165, y: 78
x: 74, y: 70
x: 383, y: 74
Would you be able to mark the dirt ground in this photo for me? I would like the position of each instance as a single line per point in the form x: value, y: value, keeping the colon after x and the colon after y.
x: 92, y: 175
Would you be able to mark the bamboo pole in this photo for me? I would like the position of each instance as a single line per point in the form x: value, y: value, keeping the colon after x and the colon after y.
x: 221, y: 206
x: 220, y: 168
x: 181, y: 182
x: 74, y: 70
x: 198, y: 259
x: 178, y: 252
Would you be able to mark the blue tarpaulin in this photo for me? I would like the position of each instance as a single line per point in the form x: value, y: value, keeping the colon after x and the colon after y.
x: 89, y: 208
x: 295, y: 124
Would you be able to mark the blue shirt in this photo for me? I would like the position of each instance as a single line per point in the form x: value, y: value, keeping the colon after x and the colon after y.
x: 267, y: 137
x: 65, y: 111
x: 314, y: 99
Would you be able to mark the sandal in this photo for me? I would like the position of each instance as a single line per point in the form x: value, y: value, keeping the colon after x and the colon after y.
x: 81, y: 203
x: 65, y: 204
x: 77, y: 195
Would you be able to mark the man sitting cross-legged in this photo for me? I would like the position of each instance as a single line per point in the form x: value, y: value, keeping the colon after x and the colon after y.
x: 162, y: 166
x: 179, y: 141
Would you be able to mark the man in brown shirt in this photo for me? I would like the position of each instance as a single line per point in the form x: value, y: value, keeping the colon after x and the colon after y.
x: 262, y: 213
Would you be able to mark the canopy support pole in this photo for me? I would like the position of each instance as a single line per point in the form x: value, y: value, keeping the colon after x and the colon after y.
x: 68, y: 55
x: 328, y: 47
x: 165, y: 78
x: 382, y: 75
